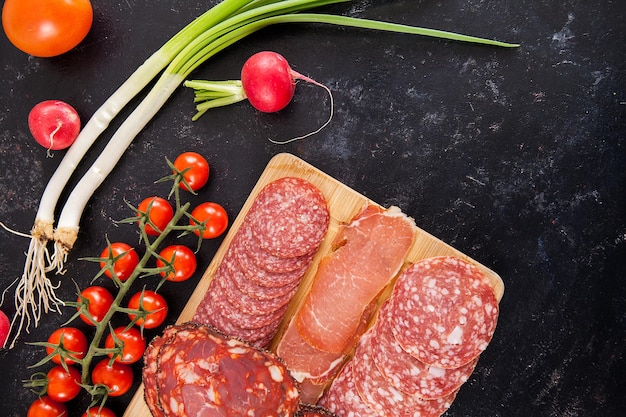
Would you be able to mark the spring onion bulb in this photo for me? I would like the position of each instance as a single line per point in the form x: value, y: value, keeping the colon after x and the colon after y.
x: 221, y: 26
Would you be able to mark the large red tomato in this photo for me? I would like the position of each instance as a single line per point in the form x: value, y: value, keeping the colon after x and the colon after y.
x: 46, y: 28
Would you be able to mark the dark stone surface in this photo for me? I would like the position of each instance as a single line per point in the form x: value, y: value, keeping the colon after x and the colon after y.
x: 515, y: 157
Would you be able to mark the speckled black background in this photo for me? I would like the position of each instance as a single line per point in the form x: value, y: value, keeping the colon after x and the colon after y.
x: 515, y: 157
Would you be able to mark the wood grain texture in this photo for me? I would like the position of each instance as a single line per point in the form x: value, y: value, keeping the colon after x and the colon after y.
x: 343, y: 203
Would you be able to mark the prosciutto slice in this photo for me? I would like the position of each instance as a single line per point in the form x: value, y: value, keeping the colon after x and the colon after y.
x: 370, y: 252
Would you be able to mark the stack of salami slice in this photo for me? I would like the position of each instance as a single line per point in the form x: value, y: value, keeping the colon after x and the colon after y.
x: 266, y: 260
x: 424, y: 345
x: 194, y: 370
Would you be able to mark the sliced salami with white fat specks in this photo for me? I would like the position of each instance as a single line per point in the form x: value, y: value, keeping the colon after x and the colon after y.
x: 406, y: 372
x: 241, y: 318
x: 247, y: 304
x: 381, y: 395
x: 289, y: 217
x: 343, y: 399
x: 266, y: 260
x: 262, y: 267
x: 282, y: 275
x: 448, y: 309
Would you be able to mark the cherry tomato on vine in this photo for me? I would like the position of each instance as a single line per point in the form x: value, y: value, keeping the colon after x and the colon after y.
x: 214, y: 218
x: 47, y: 407
x: 182, y: 259
x: 159, y: 212
x: 71, y: 340
x: 151, y: 302
x: 127, y: 260
x: 117, y: 377
x: 46, y: 29
x: 132, y: 344
x: 99, y: 300
x: 99, y: 412
x: 63, y: 385
x: 197, y: 167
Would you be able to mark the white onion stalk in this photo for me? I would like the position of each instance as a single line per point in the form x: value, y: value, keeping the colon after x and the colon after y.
x: 34, y: 292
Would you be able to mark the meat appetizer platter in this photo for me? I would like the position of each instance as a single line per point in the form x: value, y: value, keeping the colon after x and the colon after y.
x: 332, y: 302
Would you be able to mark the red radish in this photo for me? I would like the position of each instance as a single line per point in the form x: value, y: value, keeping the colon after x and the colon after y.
x: 4, y: 328
x: 54, y: 124
x: 269, y: 82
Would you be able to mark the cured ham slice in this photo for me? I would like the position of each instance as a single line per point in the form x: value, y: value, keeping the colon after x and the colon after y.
x: 370, y: 252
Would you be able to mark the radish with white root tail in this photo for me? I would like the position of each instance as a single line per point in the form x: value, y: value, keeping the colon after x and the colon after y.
x: 220, y: 27
x: 267, y: 82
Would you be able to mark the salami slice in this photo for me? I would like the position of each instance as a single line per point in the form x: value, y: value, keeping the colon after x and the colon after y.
x: 150, y: 370
x: 407, y: 373
x: 377, y: 391
x: 343, y: 399
x: 266, y: 260
x: 251, y: 288
x: 247, y: 304
x: 450, y: 311
x: 243, y: 319
x: 203, y: 372
x: 282, y: 276
x: 289, y: 217
x: 174, y: 361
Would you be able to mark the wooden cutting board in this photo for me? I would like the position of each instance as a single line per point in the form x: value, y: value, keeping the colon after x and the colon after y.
x: 344, y: 203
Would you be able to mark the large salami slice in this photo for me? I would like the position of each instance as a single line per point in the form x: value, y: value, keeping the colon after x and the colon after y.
x: 264, y: 259
x: 450, y: 311
x: 150, y: 370
x: 408, y: 373
x: 343, y: 399
x: 381, y: 395
x: 288, y: 217
x: 202, y: 372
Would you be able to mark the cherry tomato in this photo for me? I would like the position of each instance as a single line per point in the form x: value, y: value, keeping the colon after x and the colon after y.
x: 71, y: 340
x: 132, y: 344
x: 124, y: 265
x: 46, y: 29
x: 54, y: 124
x: 117, y: 377
x: 47, y: 407
x: 151, y: 302
x: 182, y: 259
x: 5, y: 326
x: 214, y: 218
x: 63, y: 385
x: 99, y: 300
x: 98, y: 412
x: 159, y: 212
x: 197, y: 170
